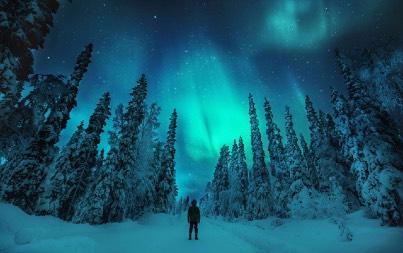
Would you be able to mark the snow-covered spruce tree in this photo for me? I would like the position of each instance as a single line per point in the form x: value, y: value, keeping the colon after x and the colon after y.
x: 376, y: 151
x: 166, y: 189
x: 169, y: 157
x: 117, y: 126
x: 315, y: 134
x: 29, y: 168
x: 235, y: 207
x: 105, y: 197
x: 98, y: 120
x: 148, y: 139
x: 346, y: 142
x: 81, y: 66
x: 293, y: 152
x: 342, y: 121
x: 280, y: 175
x: 304, y: 145
x: 221, y: 184
x: 328, y: 158
x: 321, y: 121
x: 344, y: 178
x: 49, y: 200
x: 309, y: 176
x: 260, y: 197
x: 24, y: 26
x: 157, y: 175
x: 293, y: 158
x: 233, y: 163
x: 148, y: 157
x: 325, y: 149
x: 73, y: 170
x: 275, y: 142
x: 309, y: 202
x: 243, y: 169
x: 102, y: 202
x: 126, y: 160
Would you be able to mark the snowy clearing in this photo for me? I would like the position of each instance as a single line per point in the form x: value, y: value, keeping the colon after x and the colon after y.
x: 20, y: 232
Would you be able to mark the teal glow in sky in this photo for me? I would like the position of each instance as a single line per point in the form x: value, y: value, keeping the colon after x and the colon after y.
x: 207, y: 101
x: 286, y: 26
x: 204, y: 57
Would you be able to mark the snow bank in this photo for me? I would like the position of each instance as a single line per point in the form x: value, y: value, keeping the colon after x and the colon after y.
x: 22, y: 233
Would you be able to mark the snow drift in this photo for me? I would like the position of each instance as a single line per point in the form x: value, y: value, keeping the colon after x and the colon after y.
x: 22, y: 233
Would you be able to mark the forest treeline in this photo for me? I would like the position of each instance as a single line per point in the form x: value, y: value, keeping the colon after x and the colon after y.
x: 354, y: 158
x: 77, y: 182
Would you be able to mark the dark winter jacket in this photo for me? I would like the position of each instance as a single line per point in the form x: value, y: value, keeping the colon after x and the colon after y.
x: 194, y: 214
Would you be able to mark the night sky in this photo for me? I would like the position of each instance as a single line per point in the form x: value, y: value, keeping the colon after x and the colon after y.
x: 204, y: 57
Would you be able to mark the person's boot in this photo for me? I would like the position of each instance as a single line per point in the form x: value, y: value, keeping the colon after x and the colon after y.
x: 196, y: 238
x: 190, y: 237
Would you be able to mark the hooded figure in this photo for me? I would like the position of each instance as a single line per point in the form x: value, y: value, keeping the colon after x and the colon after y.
x: 193, y: 219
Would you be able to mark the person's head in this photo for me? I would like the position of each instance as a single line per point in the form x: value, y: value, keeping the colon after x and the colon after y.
x: 194, y: 202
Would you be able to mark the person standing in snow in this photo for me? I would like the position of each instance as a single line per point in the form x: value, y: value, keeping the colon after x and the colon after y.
x: 193, y: 219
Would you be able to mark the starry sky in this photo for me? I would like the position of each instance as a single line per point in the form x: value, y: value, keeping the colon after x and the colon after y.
x: 204, y: 57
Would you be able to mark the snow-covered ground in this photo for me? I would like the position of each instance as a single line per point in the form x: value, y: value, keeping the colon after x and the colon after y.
x: 20, y: 232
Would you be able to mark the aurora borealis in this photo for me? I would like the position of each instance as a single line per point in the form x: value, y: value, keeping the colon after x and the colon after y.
x: 204, y: 57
